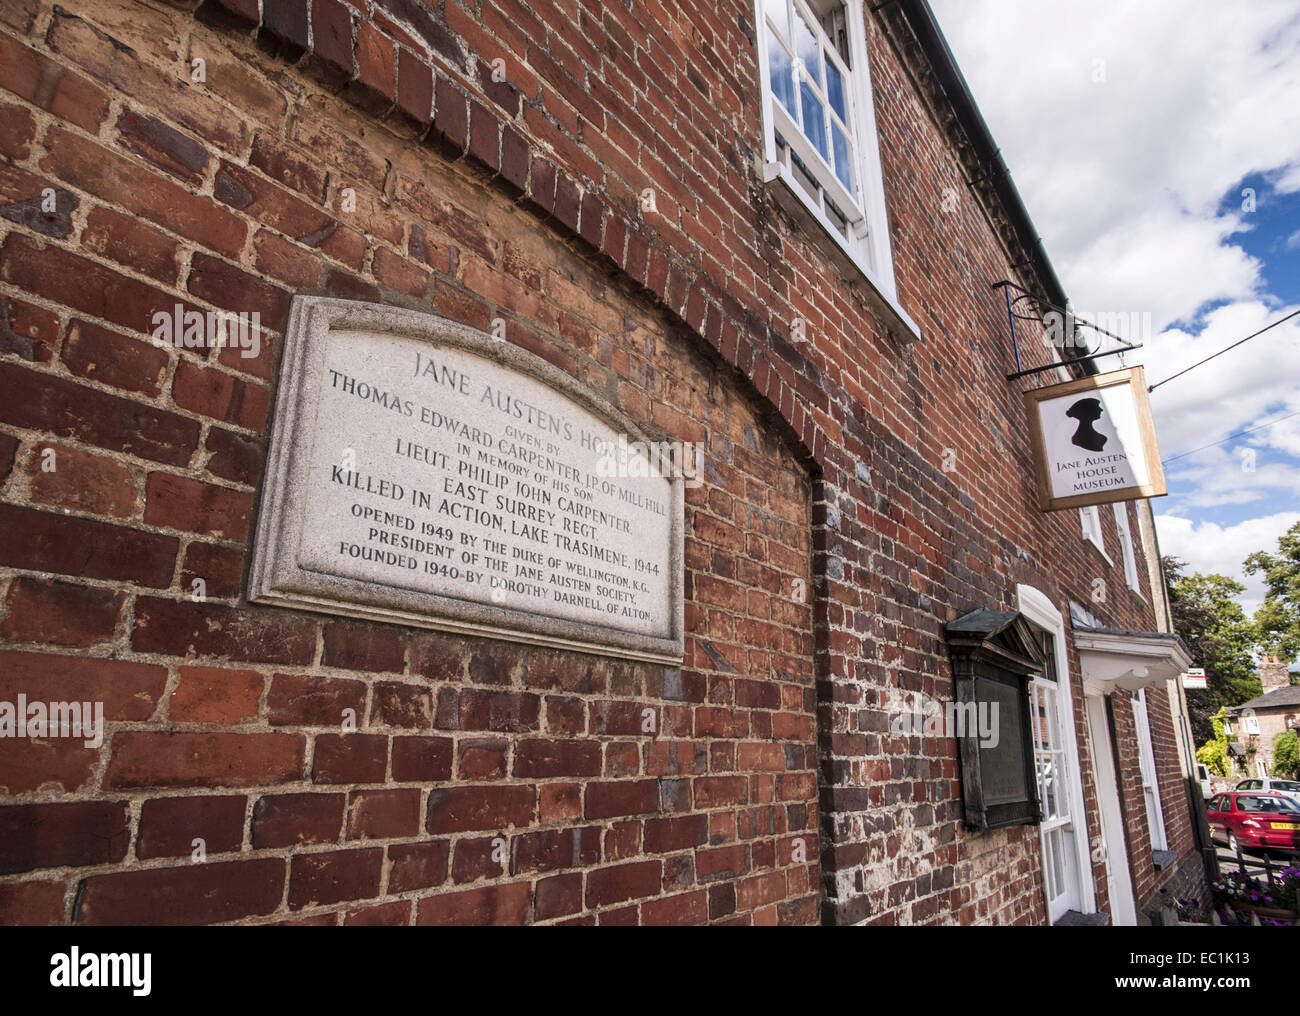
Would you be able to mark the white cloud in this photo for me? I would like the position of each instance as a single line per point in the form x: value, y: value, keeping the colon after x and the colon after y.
x: 1196, y: 95
x: 1212, y: 549
x: 1128, y: 127
x: 1237, y: 474
x: 1243, y: 388
x: 1289, y: 181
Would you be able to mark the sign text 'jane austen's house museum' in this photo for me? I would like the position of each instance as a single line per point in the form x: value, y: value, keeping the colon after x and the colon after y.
x: 556, y: 461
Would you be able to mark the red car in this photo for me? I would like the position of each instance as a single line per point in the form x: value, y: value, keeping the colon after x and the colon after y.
x: 1255, y: 820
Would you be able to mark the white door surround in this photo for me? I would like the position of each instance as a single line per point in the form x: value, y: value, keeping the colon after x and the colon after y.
x: 1123, y: 907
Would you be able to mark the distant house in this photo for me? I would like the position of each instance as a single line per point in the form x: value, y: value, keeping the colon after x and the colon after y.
x: 1253, y: 725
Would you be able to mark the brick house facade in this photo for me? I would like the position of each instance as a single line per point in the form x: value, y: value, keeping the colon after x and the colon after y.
x: 1255, y: 724
x: 489, y: 161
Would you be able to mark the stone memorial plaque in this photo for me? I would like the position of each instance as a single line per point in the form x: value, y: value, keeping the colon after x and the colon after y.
x: 422, y: 473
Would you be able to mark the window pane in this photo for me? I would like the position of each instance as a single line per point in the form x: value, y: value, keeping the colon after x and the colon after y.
x: 1042, y: 735
x: 843, y: 164
x: 1049, y: 869
x: 835, y: 91
x: 805, y: 46
x: 1050, y: 809
x: 814, y: 119
x: 838, y: 219
x: 806, y: 180
x: 1058, y: 857
x: 781, y: 72
x: 779, y: 12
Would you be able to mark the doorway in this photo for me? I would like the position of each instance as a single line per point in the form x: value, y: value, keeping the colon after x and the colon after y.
x: 1123, y: 908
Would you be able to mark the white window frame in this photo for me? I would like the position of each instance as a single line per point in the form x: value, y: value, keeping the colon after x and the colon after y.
x: 1150, y: 779
x: 1051, y: 766
x: 1090, y: 524
x: 869, y: 250
x: 1249, y: 724
x: 1040, y: 611
x: 1126, y: 547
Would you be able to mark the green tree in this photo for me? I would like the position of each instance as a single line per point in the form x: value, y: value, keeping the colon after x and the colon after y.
x: 1214, y: 752
x: 1278, y: 617
x: 1286, y: 754
x: 1220, y: 638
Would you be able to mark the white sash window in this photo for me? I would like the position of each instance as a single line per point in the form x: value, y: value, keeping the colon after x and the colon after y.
x: 1147, y: 762
x: 819, y: 125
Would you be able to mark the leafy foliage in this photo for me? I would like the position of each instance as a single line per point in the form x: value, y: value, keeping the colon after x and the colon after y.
x: 1278, y: 617
x: 1221, y: 639
x: 1286, y: 754
x: 1214, y: 752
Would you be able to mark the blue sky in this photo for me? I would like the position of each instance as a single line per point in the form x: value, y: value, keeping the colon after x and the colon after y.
x: 1134, y: 132
x: 1275, y: 240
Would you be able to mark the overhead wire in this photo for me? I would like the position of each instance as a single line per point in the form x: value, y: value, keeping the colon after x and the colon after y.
x: 1230, y: 437
x: 1152, y: 388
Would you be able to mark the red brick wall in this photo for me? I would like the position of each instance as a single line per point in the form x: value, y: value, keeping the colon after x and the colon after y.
x: 225, y: 720
x: 1173, y: 785
x: 478, y: 199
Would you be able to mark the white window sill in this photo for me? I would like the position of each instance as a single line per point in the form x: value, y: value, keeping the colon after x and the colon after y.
x: 1099, y: 548
x: 819, y: 231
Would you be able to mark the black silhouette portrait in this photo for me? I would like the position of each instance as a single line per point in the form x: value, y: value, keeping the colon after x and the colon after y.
x: 1087, y: 412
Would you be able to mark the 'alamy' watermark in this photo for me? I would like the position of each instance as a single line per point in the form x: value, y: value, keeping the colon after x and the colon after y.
x: 75, y: 969
x: 1080, y: 329
x: 214, y: 329
x: 949, y: 719
x: 672, y: 459
x: 53, y: 719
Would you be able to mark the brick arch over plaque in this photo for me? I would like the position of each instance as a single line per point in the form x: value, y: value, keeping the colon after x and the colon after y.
x: 399, y: 70
x: 385, y: 68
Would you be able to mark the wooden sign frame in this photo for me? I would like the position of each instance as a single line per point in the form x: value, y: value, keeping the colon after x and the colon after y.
x: 1135, y: 379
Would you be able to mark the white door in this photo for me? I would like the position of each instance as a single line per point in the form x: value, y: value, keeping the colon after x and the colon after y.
x: 1123, y: 909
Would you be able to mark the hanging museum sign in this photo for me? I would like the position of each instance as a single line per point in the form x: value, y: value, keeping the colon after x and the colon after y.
x: 421, y: 472
x: 1094, y: 441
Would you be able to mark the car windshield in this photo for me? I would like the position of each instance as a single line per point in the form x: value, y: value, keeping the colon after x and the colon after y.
x: 1249, y: 802
x: 1289, y: 786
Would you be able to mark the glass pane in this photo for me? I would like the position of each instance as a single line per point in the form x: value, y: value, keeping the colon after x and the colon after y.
x: 835, y: 91
x: 779, y: 12
x: 1049, y: 869
x: 805, y: 47
x: 838, y: 219
x: 1057, y: 857
x: 781, y: 71
x: 1039, y: 718
x: 1062, y: 786
x: 1049, y: 787
x: 814, y: 119
x: 843, y: 164
x: 1040, y: 768
x: 806, y: 180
